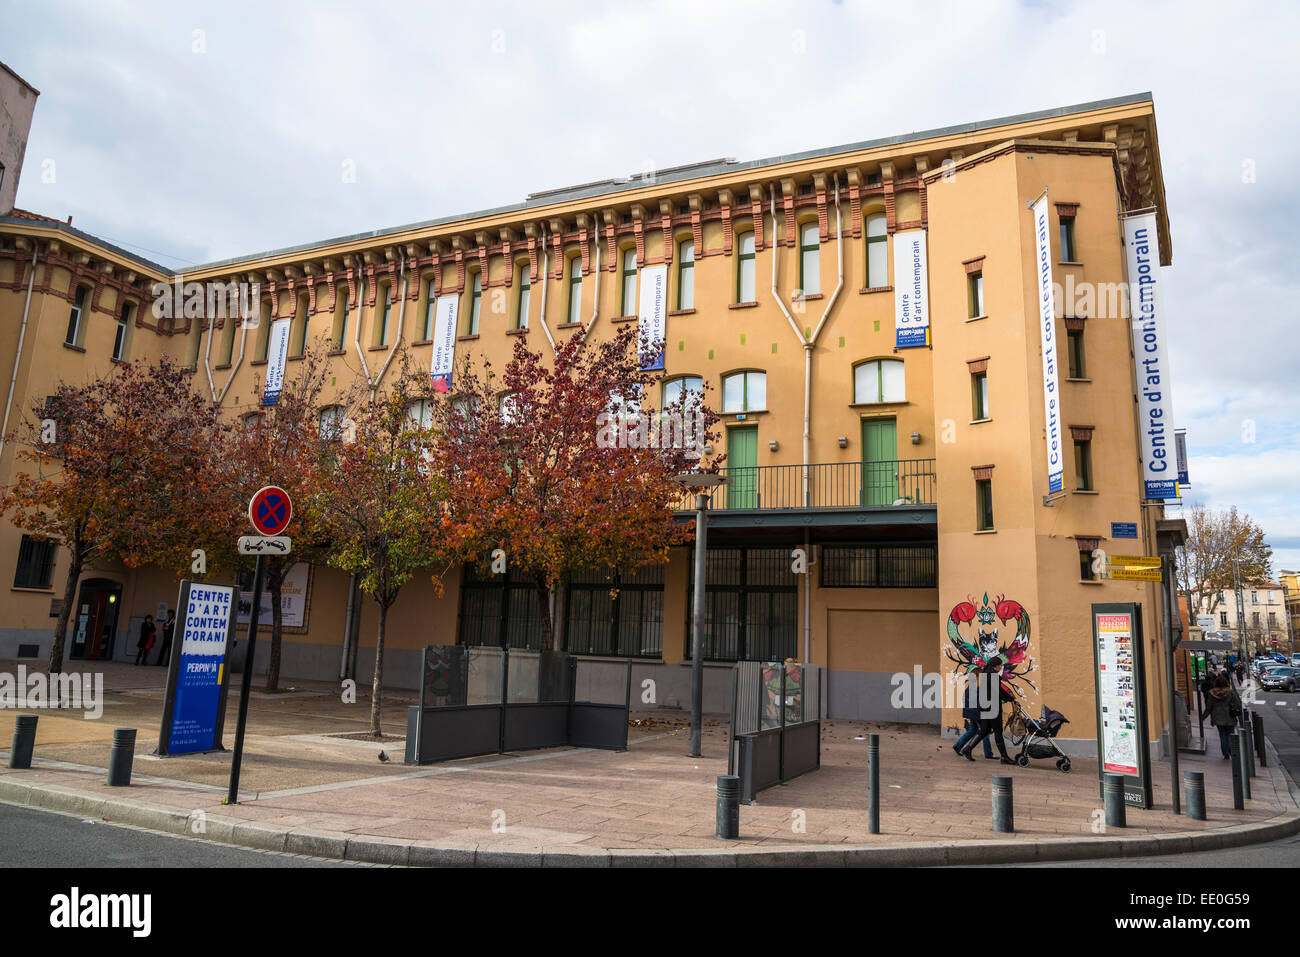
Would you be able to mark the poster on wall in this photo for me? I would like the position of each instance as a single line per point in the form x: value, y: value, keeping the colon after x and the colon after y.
x: 277, y: 353
x: 651, y: 313
x: 1154, y: 381
x: 1120, y: 686
x: 293, y: 600
x: 444, y: 341
x: 194, y: 703
x: 911, y: 289
x: 1047, y: 339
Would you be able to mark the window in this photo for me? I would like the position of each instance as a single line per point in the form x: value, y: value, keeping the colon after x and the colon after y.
x: 1074, y: 347
x: 1067, y: 240
x: 627, y: 305
x: 612, y: 613
x: 744, y: 392
x: 525, y: 298
x: 1272, y: 619
x: 509, y: 409
x: 1254, y: 618
x: 119, y: 338
x: 298, y: 330
x: 385, y: 313
x: 877, y: 252
x: 880, y: 380
x: 575, y: 289
x: 1223, y: 596
x: 810, y: 283
x: 262, y: 343
x: 1085, y: 566
x: 979, y: 394
x: 331, y: 423
x: 74, y: 317
x: 1254, y: 598
x: 420, y: 413
x: 252, y: 420
x: 745, y: 269
x: 227, y: 341
x: 751, y: 605
x: 1083, y: 464
x: 475, y: 303
x: 1223, y: 619
x: 35, y: 563
x: 975, y: 290
x: 983, y: 505
x: 686, y: 275
x: 681, y: 388
x: 430, y: 311
x: 879, y: 566
x: 344, y: 303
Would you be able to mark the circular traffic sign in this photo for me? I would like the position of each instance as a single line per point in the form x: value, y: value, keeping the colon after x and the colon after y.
x: 270, y: 510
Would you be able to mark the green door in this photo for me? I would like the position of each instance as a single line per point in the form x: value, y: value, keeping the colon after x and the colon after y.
x: 742, y: 467
x: 879, y: 461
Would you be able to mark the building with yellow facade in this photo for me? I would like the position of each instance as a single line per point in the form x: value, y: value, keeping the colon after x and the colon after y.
x: 909, y: 459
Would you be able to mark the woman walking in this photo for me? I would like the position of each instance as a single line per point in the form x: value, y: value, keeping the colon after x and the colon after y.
x: 147, y: 631
x: 971, y: 712
x: 991, y: 726
x: 1223, y: 707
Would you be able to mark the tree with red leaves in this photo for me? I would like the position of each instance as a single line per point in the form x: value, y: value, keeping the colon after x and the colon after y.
x: 565, y: 464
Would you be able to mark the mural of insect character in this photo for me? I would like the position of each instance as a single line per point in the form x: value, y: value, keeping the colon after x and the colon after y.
x: 974, y: 633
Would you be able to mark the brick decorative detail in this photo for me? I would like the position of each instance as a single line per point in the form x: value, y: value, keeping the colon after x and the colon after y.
x: 973, y: 265
x: 855, y: 210
x: 1087, y: 543
x: 1074, y: 323
x: 666, y: 224
x: 978, y: 365
x: 823, y: 223
x: 791, y: 229
x: 697, y: 233
x: 1081, y: 433
x: 891, y: 216
x: 1067, y: 210
x: 982, y: 471
x: 760, y: 226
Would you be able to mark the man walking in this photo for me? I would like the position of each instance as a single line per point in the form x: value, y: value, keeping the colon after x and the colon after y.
x: 993, y: 675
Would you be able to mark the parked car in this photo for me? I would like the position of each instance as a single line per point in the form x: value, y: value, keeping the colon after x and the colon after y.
x: 1281, y: 679
x: 1295, y: 660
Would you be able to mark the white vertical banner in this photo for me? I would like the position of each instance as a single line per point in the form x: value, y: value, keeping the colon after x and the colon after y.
x: 911, y: 289
x: 1047, y: 335
x: 276, y: 353
x: 1155, y: 403
x: 444, y: 341
x: 652, y: 312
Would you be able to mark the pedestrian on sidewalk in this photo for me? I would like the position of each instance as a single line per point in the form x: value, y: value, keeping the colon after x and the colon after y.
x: 147, y: 632
x: 169, y: 629
x: 971, y: 712
x: 1223, y: 707
x: 993, y: 726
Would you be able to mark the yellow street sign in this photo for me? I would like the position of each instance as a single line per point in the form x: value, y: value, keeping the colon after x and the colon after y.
x: 1134, y: 561
x: 1136, y: 574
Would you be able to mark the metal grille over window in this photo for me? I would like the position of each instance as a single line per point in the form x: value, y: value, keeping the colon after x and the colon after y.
x: 879, y: 566
x: 751, y: 604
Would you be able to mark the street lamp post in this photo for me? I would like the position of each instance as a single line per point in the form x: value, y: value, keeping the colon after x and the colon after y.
x: 703, y: 483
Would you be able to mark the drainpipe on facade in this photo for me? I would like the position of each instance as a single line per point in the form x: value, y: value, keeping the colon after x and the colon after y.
x: 808, y: 346
x: 546, y: 269
x: 595, y: 275
x: 401, y: 318
x: 243, y: 339
x: 803, y: 341
x: 18, y: 354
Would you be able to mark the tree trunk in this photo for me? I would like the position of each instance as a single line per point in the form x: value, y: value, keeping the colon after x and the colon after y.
x: 376, y: 690
x: 277, y: 624
x: 544, y: 613
x: 69, y: 601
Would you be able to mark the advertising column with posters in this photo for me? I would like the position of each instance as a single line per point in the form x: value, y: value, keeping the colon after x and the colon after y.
x: 194, y: 705
x: 1120, y: 684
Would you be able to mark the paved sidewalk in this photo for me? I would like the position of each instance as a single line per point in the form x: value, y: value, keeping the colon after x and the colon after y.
x: 308, y: 792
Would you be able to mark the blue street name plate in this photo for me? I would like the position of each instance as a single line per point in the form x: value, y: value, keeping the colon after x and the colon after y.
x: 1123, y: 530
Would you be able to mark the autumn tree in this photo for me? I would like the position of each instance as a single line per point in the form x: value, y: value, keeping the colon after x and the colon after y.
x: 289, y: 444
x: 121, y: 471
x: 1205, y: 561
x: 566, y: 464
x: 380, y: 499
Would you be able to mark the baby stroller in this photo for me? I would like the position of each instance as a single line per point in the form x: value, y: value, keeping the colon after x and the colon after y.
x: 1034, y: 738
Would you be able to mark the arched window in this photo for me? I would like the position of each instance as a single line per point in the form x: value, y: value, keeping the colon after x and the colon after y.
x: 385, y: 309
x: 877, y: 252
x: 744, y: 392
x: 475, y: 303
x: 76, y: 332
x: 430, y: 306
x: 509, y: 409
x: 524, y: 300
x: 575, y: 289
x: 298, y: 330
x: 745, y: 267
x: 120, y: 338
x: 342, y: 304
x: 420, y: 413
x: 679, y: 389
x: 262, y: 343
x: 810, y: 281
x: 628, y: 304
x: 686, y: 274
x: 251, y: 420
x: 880, y: 380
x: 331, y: 423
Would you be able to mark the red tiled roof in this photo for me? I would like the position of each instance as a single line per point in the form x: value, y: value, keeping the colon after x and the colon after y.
x: 27, y: 214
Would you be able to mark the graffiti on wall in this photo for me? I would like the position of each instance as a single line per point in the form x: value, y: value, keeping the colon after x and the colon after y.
x: 979, y: 632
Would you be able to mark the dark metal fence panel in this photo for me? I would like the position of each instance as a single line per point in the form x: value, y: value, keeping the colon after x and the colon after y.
x: 890, y: 483
x: 800, y: 749
x: 749, y: 691
x: 598, y: 716
x: 880, y: 566
x: 760, y: 763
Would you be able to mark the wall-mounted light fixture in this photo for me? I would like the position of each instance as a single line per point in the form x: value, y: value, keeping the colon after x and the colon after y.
x: 773, y: 445
x: 844, y: 441
x: 916, y: 438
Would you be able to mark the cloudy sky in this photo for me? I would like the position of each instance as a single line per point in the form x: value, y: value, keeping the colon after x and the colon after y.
x: 190, y: 132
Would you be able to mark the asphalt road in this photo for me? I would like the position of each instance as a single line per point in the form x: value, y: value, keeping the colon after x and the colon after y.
x: 35, y: 838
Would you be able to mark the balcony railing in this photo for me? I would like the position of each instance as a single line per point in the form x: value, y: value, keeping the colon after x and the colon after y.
x: 900, y: 482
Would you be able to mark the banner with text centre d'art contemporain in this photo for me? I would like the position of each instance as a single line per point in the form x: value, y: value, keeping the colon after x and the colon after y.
x: 652, y: 312
x: 1155, y: 401
x: 911, y: 289
x: 1047, y: 335
x: 444, y: 342
x: 277, y: 353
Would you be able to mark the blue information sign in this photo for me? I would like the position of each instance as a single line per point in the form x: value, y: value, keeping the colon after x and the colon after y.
x: 195, y: 705
x: 1123, y: 530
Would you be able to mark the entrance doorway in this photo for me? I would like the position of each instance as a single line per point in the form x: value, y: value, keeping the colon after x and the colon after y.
x: 879, y: 461
x: 742, y: 467
x: 94, y: 621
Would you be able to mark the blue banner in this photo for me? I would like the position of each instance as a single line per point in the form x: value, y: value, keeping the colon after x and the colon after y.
x: 203, y: 632
x: 1123, y: 530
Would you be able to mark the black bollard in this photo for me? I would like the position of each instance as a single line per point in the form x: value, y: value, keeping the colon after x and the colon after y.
x: 1004, y: 820
x: 873, y: 784
x: 120, y: 757
x: 728, y: 823
x: 1248, y: 726
x: 1194, y: 792
x: 20, y: 754
x: 1113, y: 789
x: 1257, y: 724
x: 1234, y: 748
x: 1243, y: 755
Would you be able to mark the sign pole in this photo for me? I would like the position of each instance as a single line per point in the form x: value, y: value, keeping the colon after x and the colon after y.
x: 232, y: 797
x: 1171, y: 609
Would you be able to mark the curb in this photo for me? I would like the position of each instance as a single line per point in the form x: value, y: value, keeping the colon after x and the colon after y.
x: 377, y: 850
